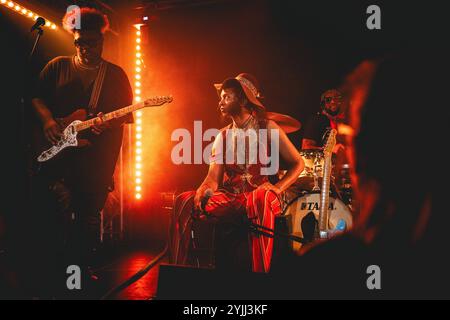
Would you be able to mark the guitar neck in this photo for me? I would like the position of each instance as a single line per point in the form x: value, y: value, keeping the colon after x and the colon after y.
x: 325, y: 195
x: 109, y: 116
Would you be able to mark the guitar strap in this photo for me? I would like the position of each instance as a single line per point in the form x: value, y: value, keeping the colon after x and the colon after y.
x: 92, y: 107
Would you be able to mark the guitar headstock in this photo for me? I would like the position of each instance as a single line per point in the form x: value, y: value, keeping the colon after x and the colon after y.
x: 331, y: 142
x: 157, y: 101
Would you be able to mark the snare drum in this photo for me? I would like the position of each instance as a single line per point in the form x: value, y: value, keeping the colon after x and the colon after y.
x: 302, y: 215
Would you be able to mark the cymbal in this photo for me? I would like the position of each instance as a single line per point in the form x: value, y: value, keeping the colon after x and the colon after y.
x: 345, y: 129
x: 287, y: 123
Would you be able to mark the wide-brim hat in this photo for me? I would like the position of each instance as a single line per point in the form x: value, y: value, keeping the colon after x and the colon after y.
x: 249, y: 85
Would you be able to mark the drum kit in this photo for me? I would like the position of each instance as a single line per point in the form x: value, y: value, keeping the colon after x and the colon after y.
x: 302, y: 201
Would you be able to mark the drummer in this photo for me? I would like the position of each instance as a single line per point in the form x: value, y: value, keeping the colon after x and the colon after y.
x: 328, y: 118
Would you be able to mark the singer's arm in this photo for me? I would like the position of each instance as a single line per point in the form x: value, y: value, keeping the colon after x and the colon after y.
x: 292, y: 158
x: 51, y: 129
x: 212, y: 181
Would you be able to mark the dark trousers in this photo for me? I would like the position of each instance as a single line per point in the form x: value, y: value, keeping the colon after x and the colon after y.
x: 66, y: 230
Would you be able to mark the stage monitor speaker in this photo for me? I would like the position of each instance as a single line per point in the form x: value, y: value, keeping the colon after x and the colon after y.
x: 182, y: 282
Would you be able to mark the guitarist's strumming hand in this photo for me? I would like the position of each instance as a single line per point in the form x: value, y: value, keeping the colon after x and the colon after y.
x: 100, y: 125
x: 52, y: 131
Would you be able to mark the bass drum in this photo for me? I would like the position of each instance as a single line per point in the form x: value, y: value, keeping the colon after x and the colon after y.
x: 302, y: 215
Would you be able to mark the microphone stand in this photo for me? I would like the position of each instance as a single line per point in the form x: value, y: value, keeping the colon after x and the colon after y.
x: 25, y: 117
x: 26, y: 87
x: 39, y: 35
x: 253, y: 227
x: 23, y: 99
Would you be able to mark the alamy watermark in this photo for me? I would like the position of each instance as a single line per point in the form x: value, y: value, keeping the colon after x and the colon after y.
x: 373, y: 22
x: 73, y: 281
x: 240, y: 147
x: 74, y: 22
x: 373, y: 282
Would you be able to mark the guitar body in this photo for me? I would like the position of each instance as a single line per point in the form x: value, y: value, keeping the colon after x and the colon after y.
x: 46, y: 150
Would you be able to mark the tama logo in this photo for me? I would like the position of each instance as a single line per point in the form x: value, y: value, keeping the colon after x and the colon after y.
x: 315, y: 206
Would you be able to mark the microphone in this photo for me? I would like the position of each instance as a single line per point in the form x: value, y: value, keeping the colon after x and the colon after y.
x: 206, y: 195
x: 39, y: 22
x: 197, y: 213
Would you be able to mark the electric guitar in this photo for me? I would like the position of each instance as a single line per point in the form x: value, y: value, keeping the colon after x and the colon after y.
x: 325, y: 191
x: 77, y: 122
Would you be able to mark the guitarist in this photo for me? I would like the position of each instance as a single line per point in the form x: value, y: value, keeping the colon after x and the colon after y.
x: 78, y: 180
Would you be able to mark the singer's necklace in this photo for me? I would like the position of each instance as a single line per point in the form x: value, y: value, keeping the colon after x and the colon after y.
x: 83, y: 66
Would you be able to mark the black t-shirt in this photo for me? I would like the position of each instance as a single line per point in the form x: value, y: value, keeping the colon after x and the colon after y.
x: 61, y: 88
x: 316, y: 128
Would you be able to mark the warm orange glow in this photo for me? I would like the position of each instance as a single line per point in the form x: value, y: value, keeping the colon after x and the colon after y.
x: 138, y: 91
x: 26, y: 12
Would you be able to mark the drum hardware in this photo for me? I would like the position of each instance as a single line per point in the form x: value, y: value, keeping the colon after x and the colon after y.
x: 345, y: 184
x: 313, y: 160
x: 317, y: 169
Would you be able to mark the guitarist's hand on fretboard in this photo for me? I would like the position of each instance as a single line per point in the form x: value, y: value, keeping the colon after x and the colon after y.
x: 100, y: 125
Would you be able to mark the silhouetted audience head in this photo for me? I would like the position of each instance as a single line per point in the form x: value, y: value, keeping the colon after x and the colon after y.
x: 399, y: 151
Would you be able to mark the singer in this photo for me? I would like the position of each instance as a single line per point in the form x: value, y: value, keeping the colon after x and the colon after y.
x: 234, y: 194
x: 78, y: 183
